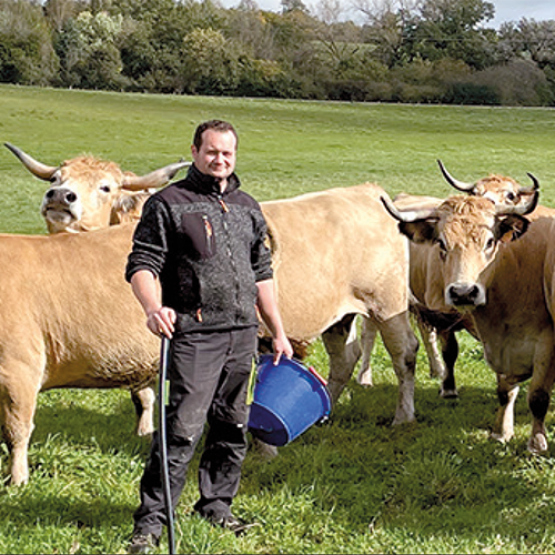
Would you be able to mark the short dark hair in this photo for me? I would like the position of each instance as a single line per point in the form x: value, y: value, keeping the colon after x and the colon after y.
x: 216, y: 125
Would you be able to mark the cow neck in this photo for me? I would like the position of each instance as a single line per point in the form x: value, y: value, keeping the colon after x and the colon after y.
x: 208, y: 185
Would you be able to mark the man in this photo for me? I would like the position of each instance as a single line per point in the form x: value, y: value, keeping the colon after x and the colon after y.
x: 200, y: 268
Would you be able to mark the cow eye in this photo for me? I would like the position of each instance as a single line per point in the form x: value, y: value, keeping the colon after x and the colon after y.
x: 105, y: 188
x: 511, y: 196
x: 490, y: 243
x: 442, y: 248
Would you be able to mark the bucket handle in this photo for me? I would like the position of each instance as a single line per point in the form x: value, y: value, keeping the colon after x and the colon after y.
x: 313, y: 371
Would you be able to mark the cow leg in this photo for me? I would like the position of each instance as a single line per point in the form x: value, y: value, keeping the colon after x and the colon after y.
x: 342, y: 346
x: 18, y: 399
x: 402, y: 346
x: 144, y: 401
x: 429, y: 337
x: 503, y: 429
x: 368, y: 333
x: 450, y: 352
x: 539, y: 395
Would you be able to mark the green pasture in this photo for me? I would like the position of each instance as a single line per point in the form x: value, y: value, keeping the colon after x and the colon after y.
x: 356, y: 485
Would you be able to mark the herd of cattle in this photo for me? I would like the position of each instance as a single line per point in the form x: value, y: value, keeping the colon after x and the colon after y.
x: 483, y: 261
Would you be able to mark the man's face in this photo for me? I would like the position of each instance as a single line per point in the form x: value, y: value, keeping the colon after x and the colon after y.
x: 216, y: 156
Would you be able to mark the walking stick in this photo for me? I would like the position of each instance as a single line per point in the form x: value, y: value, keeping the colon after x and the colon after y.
x: 162, y: 401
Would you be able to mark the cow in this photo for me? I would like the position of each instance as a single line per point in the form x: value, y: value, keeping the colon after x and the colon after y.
x: 491, y: 262
x: 434, y: 325
x: 66, y: 326
x: 336, y: 254
x: 86, y: 194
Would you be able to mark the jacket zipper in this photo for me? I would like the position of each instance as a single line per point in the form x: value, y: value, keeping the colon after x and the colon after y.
x: 225, y: 210
x: 208, y: 232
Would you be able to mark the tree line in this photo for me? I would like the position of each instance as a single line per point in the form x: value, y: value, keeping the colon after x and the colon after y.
x: 427, y: 51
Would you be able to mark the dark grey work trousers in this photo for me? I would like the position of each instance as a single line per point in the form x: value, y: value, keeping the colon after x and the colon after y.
x: 209, y: 377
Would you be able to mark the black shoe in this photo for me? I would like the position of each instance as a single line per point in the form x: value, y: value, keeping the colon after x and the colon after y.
x: 143, y: 543
x: 236, y: 525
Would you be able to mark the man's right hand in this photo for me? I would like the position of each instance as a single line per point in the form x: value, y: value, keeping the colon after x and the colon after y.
x: 161, y: 321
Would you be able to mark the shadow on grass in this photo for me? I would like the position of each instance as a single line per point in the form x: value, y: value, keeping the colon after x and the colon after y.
x: 63, y: 510
x: 105, y: 420
x: 442, y: 473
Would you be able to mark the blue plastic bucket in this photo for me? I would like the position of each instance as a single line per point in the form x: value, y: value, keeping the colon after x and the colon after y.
x: 288, y: 399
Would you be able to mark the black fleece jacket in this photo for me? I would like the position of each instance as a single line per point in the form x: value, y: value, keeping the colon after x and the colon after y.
x: 207, y: 249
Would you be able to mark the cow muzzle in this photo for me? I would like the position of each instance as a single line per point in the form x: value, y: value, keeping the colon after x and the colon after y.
x: 61, y: 205
x: 463, y: 295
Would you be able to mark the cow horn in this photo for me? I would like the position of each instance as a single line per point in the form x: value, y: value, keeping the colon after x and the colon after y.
x: 407, y: 216
x: 460, y: 185
x: 535, y: 186
x: 38, y: 169
x: 155, y: 179
x: 521, y: 208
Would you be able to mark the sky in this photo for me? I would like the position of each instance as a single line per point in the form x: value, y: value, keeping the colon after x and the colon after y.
x: 505, y: 10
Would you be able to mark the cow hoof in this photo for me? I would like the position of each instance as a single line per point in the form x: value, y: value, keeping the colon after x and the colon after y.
x: 449, y: 394
x: 537, y: 444
x: 145, y: 432
x: 267, y: 452
x: 365, y: 380
x: 499, y: 437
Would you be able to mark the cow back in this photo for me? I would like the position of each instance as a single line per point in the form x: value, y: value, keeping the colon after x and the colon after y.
x: 336, y: 252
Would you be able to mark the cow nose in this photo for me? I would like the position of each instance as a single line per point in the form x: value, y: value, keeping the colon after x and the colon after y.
x: 63, y: 196
x: 463, y: 294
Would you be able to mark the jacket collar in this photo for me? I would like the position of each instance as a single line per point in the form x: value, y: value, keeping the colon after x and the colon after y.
x: 207, y: 184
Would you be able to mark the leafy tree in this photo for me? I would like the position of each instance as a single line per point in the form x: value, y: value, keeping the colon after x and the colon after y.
x: 254, y: 30
x: 26, y: 53
x: 386, y: 27
x: 210, y: 63
x: 293, y: 5
x: 87, y: 47
x: 450, y: 29
x: 531, y: 40
x: 59, y: 11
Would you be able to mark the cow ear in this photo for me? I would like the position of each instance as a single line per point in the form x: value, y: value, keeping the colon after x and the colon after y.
x: 420, y: 231
x: 511, y: 227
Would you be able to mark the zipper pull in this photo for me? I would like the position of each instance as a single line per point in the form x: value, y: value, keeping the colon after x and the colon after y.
x: 224, y: 206
x: 207, y: 226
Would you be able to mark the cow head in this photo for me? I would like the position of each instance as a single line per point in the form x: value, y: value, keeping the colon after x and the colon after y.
x: 500, y: 189
x: 85, y: 192
x: 464, y: 234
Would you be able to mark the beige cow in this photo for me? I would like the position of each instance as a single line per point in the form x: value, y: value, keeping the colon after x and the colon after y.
x: 337, y: 254
x: 63, y: 325
x: 442, y: 326
x: 88, y: 194
x: 489, y: 261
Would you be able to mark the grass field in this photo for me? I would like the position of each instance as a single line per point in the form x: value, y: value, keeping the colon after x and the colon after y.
x: 356, y: 485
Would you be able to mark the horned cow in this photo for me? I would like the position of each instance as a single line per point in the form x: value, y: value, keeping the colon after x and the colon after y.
x: 86, y: 194
x: 490, y: 262
x: 433, y: 324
